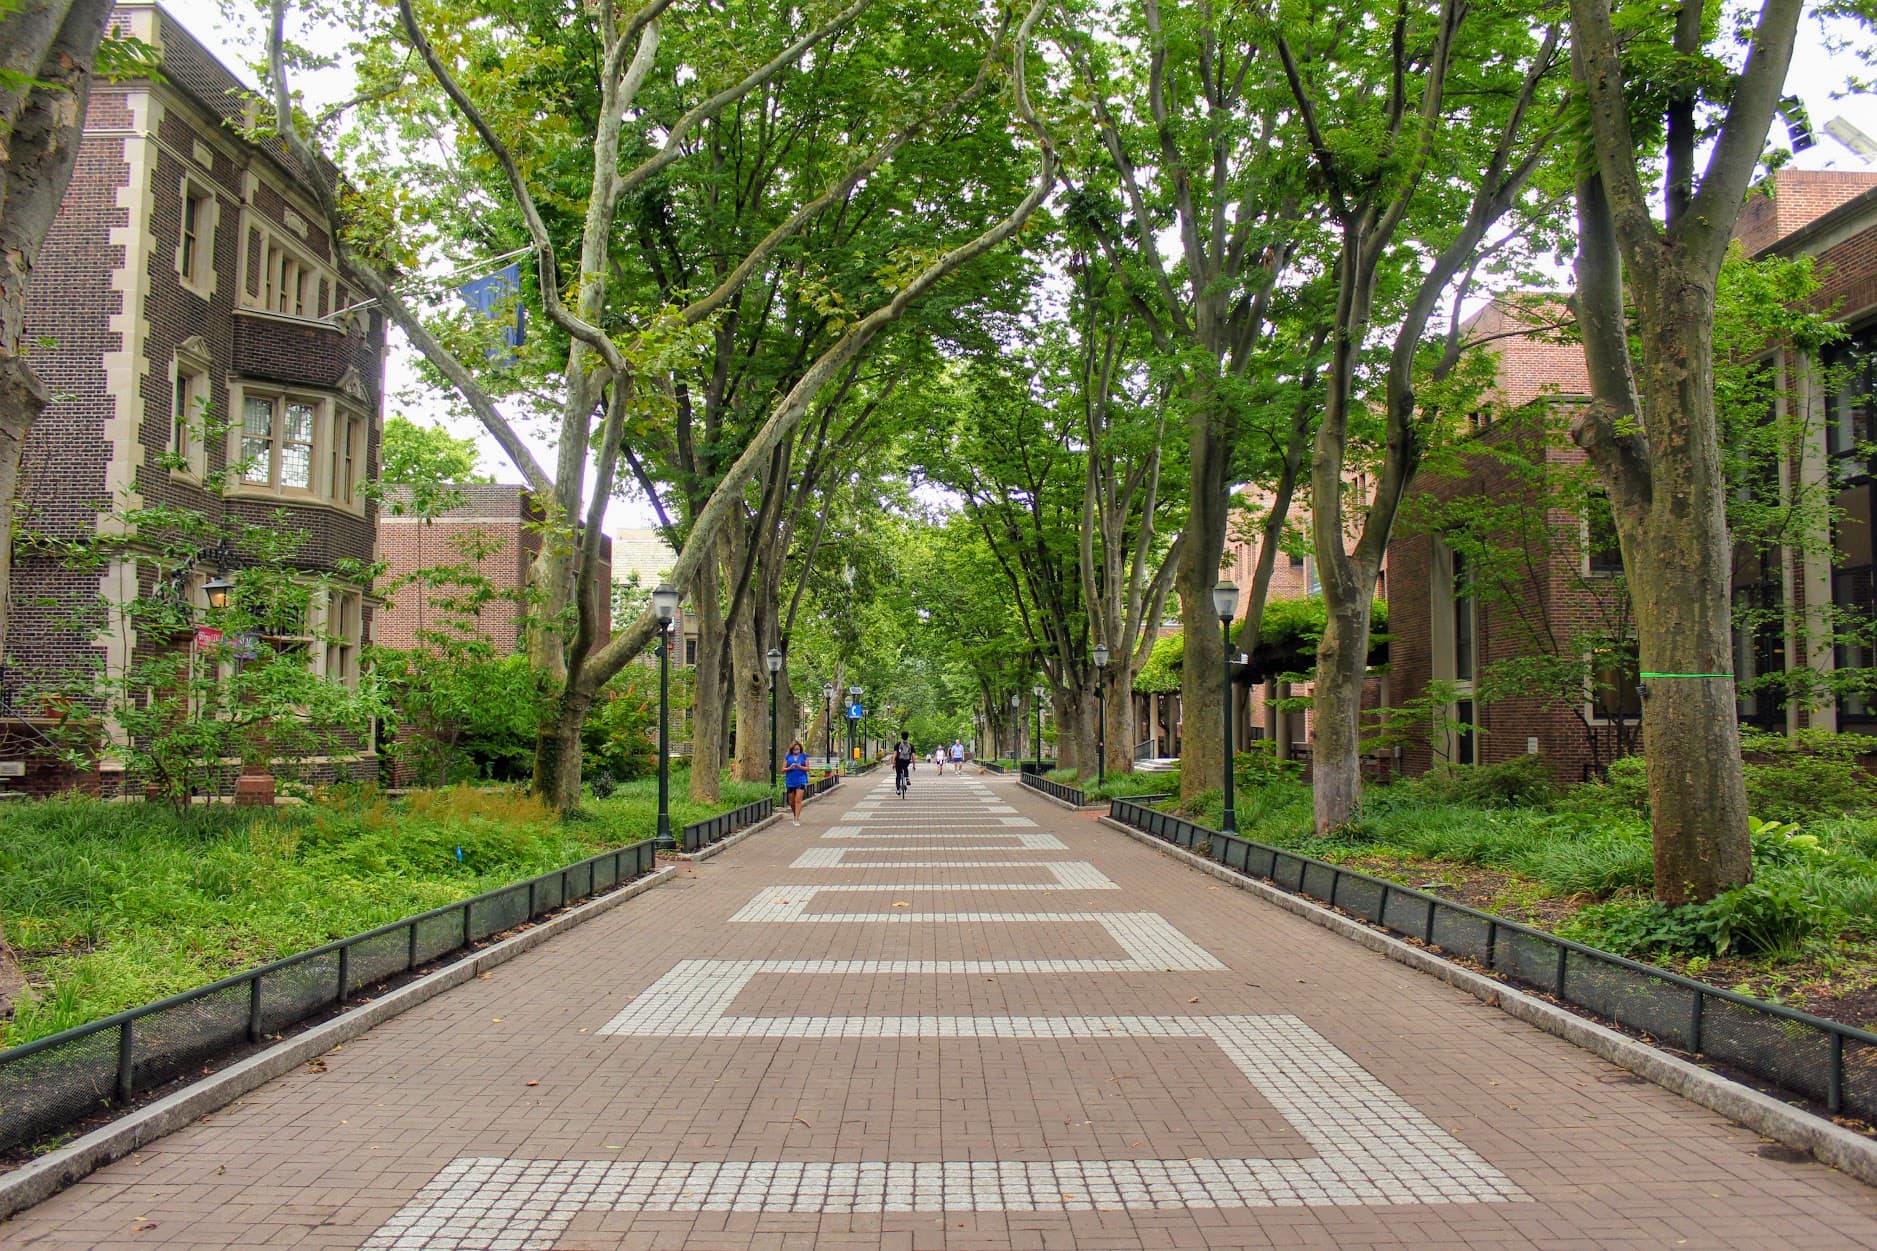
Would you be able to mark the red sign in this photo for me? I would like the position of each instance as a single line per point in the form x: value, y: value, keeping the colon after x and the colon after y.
x: 208, y: 636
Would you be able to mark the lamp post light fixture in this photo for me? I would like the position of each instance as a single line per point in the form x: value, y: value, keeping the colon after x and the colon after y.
x: 665, y: 606
x: 216, y: 590
x: 827, y: 722
x: 853, y: 726
x: 775, y: 673
x: 1016, y: 726
x: 1039, y: 691
x: 1101, y: 714
x: 1225, y: 603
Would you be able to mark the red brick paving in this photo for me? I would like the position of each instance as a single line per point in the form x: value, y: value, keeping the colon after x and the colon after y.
x: 328, y: 1159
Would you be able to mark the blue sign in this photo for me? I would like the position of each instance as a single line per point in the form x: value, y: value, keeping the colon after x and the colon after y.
x: 855, y: 712
x: 492, y: 296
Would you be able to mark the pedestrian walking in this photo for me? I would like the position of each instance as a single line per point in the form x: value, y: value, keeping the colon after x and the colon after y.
x: 796, y: 777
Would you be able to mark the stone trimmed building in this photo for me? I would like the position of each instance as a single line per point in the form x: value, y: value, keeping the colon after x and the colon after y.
x: 194, y: 315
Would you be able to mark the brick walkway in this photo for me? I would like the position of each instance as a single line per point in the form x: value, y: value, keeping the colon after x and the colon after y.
x: 966, y: 1019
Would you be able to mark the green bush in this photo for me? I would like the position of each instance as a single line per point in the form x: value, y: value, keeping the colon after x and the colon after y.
x: 1774, y: 916
x: 1798, y: 786
x: 1521, y: 782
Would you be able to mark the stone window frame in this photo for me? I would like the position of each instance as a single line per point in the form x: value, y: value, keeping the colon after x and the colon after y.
x: 1443, y: 649
x: 269, y: 236
x: 192, y: 361
x: 197, y: 277
x: 332, y: 413
x: 341, y: 644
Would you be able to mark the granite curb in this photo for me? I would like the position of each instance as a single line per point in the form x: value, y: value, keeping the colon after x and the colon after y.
x: 1851, y: 1153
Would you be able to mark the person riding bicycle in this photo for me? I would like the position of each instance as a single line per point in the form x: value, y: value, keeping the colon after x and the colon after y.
x: 902, y: 761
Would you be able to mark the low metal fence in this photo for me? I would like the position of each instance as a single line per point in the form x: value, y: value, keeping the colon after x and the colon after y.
x: 822, y: 785
x: 50, y: 1083
x: 1830, y: 1063
x: 1067, y: 794
x: 701, y: 834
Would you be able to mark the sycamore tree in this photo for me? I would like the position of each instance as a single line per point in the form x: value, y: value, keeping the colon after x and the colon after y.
x: 1192, y: 180
x: 1679, y: 99
x: 623, y: 363
x: 1415, y: 176
x: 49, y: 50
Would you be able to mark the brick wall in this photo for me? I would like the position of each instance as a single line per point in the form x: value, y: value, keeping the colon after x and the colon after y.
x: 500, y: 517
x: 1795, y: 198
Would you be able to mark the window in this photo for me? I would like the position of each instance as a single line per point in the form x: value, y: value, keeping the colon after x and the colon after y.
x: 343, y: 635
x: 287, y: 280
x: 690, y: 649
x: 277, y: 441
x: 1462, y: 622
x: 194, y: 218
x: 1613, y: 684
x: 189, y: 418
x: 195, y: 243
x: 1851, y: 381
x: 1466, y: 727
x: 1603, y: 554
x: 347, y: 456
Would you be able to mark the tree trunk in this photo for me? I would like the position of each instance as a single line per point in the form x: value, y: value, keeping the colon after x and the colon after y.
x: 1681, y: 583
x: 707, y: 689
x: 1336, y: 753
x: 751, y: 681
x: 1119, y: 714
x: 52, y: 46
x: 557, y: 756
x: 1202, y: 744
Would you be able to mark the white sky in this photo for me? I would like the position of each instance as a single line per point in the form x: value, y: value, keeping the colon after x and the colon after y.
x: 1816, y: 77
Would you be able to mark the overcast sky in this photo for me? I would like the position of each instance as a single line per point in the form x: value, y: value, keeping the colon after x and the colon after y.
x: 1816, y: 77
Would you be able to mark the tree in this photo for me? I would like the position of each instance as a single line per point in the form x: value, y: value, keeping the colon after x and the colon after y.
x: 47, y: 54
x: 1201, y: 145
x: 1471, y: 106
x: 1650, y: 427
x: 620, y: 363
x: 412, y: 455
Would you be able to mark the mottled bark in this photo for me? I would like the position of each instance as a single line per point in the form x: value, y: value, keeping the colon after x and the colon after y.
x: 1202, y: 733
x: 54, y: 47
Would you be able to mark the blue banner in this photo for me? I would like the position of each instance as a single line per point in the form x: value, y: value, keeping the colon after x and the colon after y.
x: 492, y: 297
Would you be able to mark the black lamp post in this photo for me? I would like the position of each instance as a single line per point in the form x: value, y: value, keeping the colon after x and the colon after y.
x: 1016, y: 727
x: 1039, y: 691
x: 665, y: 605
x: 853, y: 726
x: 1101, y: 714
x: 775, y: 673
x: 827, y: 722
x: 1225, y: 603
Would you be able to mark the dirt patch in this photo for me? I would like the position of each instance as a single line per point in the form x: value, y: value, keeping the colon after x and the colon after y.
x: 1490, y: 890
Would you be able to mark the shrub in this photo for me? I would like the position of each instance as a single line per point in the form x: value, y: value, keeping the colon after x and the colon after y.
x: 1259, y: 765
x: 1799, y: 786
x: 603, y: 783
x: 1773, y: 916
x: 1521, y: 782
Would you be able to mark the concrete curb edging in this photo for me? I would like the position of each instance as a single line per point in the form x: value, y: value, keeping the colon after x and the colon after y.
x: 1063, y: 803
x: 1765, y: 1114
x: 44, y: 1177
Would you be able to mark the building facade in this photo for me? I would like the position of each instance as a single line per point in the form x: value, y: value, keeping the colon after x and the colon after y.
x: 202, y: 357
x: 492, y: 531
x: 1798, y: 606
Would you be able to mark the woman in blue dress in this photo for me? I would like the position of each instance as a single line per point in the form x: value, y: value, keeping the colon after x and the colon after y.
x: 796, y: 779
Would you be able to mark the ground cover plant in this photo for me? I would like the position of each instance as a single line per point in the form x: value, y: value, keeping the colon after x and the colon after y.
x: 1578, y: 861
x: 111, y: 905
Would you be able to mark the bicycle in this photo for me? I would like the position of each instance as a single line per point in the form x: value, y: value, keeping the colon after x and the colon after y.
x: 902, y: 781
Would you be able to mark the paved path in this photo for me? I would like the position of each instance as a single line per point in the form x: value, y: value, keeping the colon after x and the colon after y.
x: 966, y: 1019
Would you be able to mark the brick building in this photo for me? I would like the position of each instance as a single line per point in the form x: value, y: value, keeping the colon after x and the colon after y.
x: 1441, y: 632
x: 494, y: 528
x: 196, y: 317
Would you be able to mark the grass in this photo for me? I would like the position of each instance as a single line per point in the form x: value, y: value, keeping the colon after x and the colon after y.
x: 110, y: 905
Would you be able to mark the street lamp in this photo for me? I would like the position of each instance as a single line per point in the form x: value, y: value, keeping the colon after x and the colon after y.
x: 1225, y: 603
x: 853, y: 725
x: 827, y: 722
x: 217, y: 589
x: 1016, y: 728
x: 665, y: 606
x: 775, y: 670
x: 1101, y: 714
x: 1039, y: 691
